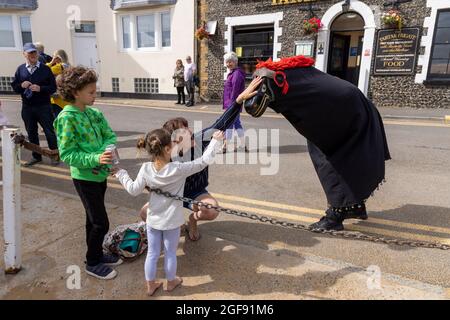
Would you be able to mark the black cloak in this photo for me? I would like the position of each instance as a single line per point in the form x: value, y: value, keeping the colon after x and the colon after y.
x: 345, y: 133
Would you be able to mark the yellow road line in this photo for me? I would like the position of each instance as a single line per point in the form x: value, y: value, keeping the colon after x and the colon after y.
x: 321, y: 213
x: 114, y: 184
x: 416, y: 124
x: 349, y: 226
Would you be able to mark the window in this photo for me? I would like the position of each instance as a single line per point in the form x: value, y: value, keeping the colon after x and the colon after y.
x: 146, y: 85
x: 165, y: 29
x: 25, y: 28
x: 440, y: 53
x: 126, y: 32
x: 252, y: 43
x: 7, y: 32
x: 5, y: 84
x: 146, y: 31
x: 115, y: 85
x: 86, y: 27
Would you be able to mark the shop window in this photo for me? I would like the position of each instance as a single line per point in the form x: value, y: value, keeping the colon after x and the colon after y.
x: 440, y: 54
x: 253, y: 43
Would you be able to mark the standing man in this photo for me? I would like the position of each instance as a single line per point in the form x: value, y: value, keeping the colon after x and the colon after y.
x: 36, y: 83
x: 190, y: 71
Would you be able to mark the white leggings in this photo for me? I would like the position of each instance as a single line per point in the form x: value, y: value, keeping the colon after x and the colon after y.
x: 170, y: 238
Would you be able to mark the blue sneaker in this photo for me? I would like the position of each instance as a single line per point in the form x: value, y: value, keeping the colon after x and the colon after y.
x: 101, y: 271
x: 111, y: 260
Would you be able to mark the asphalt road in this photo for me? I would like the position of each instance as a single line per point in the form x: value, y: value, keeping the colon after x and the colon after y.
x: 413, y: 204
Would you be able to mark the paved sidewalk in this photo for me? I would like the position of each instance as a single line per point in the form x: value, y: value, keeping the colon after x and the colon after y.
x: 213, y: 268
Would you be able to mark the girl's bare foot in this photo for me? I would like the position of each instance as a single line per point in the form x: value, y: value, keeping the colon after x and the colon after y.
x: 152, y: 286
x: 171, y: 285
x: 194, y: 235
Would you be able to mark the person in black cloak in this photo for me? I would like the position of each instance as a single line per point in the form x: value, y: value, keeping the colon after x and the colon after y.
x: 344, y: 132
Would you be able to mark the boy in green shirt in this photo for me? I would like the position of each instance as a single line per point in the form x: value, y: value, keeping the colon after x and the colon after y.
x: 83, y: 135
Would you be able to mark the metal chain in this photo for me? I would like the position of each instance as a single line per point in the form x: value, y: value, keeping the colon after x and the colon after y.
x: 298, y: 226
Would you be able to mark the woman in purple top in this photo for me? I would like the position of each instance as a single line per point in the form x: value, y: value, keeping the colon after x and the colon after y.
x: 234, y: 86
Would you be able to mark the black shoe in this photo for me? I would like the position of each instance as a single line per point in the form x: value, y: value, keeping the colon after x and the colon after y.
x: 32, y: 162
x: 178, y: 102
x: 101, y: 271
x: 332, y: 221
x: 111, y: 260
x: 189, y: 105
x: 359, y: 212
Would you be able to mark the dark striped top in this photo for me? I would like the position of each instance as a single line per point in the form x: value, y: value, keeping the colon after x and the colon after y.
x: 199, y: 181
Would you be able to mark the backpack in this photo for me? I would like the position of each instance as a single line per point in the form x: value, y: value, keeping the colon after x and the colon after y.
x: 127, y: 241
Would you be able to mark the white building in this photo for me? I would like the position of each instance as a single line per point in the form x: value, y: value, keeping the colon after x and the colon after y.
x: 133, y: 44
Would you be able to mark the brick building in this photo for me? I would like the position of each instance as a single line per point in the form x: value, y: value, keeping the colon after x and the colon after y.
x: 401, y: 67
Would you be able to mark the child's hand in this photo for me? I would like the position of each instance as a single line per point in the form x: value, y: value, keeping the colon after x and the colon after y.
x: 219, y: 135
x: 106, y: 157
x: 114, y: 170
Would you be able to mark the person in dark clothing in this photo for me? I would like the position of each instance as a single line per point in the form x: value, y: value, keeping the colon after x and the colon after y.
x: 346, y: 138
x: 43, y: 57
x: 35, y: 82
x: 192, y: 146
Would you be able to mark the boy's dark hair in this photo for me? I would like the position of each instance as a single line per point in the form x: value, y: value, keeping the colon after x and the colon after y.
x: 74, y: 79
x: 155, y: 141
x: 174, y: 124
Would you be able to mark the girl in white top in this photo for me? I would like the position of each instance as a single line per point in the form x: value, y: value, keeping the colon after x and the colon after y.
x: 165, y: 215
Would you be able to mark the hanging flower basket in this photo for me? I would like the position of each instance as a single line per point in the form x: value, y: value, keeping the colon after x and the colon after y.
x: 393, y: 19
x: 201, y: 33
x: 312, y: 25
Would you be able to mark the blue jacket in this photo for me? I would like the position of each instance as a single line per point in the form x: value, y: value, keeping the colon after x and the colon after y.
x: 43, y: 77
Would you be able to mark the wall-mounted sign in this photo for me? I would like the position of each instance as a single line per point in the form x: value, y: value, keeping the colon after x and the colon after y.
x: 304, y: 48
x: 320, y: 48
x: 396, y: 51
x: 281, y: 2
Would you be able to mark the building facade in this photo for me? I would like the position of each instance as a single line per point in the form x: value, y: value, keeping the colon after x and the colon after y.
x: 133, y: 44
x: 405, y: 65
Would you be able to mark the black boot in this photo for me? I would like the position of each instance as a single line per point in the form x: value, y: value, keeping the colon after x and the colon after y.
x: 357, y: 211
x: 331, y: 221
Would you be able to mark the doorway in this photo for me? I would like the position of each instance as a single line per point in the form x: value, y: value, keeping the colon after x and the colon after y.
x: 345, y: 50
x: 84, y: 41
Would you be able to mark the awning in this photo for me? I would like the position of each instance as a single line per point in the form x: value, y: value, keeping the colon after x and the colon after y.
x: 19, y: 4
x: 126, y: 4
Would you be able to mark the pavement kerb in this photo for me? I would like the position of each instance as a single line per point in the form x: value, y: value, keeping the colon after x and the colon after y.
x: 442, y: 119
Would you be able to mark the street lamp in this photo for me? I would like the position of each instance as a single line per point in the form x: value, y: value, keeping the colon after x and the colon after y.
x: 346, y: 6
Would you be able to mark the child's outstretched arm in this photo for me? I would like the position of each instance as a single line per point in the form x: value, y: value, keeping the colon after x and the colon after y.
x: 189, y: 168
x: 136, y: 187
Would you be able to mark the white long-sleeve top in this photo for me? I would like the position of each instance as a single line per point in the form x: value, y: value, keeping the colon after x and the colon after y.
x: 166, y: 213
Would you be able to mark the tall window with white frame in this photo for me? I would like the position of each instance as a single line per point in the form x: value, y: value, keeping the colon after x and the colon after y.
x: 126, y: 32
x: 165, y: 29
x: 7, y: 32
x: 440, y: 54
x: 25, y: 28
x: 146, y: 31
